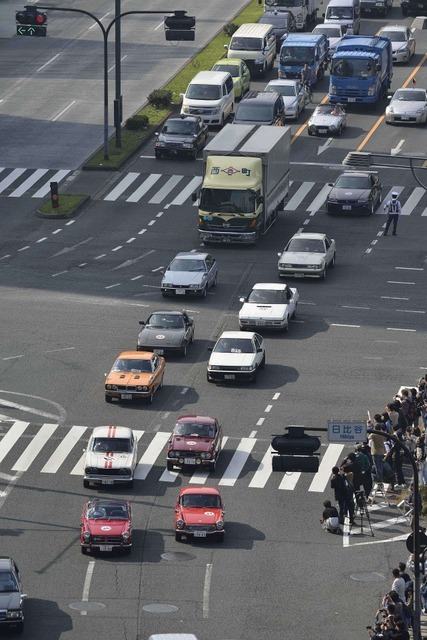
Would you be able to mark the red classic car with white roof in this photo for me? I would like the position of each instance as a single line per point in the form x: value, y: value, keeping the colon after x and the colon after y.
x: 111, y: 456
x: 195, y: 441
x: 106, y: 525
x: 199, y: 513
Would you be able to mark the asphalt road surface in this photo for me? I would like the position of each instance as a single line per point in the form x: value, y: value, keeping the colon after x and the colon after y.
x: 72, y: 294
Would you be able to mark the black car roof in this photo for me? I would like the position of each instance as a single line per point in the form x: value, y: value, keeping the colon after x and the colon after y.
x: 266, y: 97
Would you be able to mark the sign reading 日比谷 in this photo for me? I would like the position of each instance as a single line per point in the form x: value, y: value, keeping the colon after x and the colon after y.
x: 347, y: 431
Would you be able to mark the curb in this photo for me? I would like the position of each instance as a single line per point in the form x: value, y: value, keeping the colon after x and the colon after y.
x: 65, y: 215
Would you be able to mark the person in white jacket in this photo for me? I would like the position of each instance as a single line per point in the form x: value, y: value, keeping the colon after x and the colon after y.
x: 394, y: 209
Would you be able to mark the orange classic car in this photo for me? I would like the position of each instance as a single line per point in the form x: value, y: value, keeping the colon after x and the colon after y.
x: 135, y: 375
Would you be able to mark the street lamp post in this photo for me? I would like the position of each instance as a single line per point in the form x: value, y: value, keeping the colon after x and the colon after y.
x: 415, y: 532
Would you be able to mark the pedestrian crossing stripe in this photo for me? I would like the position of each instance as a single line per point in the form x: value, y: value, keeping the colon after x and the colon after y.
x: 175, y: 190
x: 68, y: 457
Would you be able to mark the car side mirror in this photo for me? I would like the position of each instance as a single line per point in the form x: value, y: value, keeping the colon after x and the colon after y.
x: 226, y: 46
x: 279, y: 254
x: 142, y: 323
x: 330, y: 184
x: 182, y: 95
x: 242, y: 299
x: 84, y: 450
x: 259, y: 350
x: 210, y: 348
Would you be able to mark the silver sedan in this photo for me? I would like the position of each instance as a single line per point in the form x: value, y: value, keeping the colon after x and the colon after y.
x: 293, y: 96
x: 407, y: 106
x: 402, y: 41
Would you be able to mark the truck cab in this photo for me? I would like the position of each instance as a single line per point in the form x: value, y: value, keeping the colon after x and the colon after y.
x: 304, y: 11
x: 297, y: 50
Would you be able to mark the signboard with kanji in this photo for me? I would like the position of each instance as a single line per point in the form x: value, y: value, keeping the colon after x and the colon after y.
x: 346, y: 431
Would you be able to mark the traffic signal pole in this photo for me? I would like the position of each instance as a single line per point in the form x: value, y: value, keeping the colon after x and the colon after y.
x: 180, y: 15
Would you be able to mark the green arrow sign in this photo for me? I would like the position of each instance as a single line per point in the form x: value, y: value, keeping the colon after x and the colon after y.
x: 29, y: 30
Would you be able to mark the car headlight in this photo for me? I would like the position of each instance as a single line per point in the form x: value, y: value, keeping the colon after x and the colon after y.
x: 144, y: 388
x: 285, y: 265
x: 420, y: 110
x: 124, y: 471
x: 13, y: 615
x: 215, y: 110
x: 371, y: 90
x: 206, y: 455
x: 362, y: 201
x: 246, y: 368
x: 334, y: 200
x: 91, y: 470
x: 188, y: 145
x: 333, y: 89
x: 86, y: 536
x: 125, y: 536
x: 160, y: 143
x: 194, y: 286
x: 139, y: 388
x: 180, y: 523
x: 173, y: 454
x: 214, y: 367
x: 333, y: 127
x: 314, y: 266
x: 220, y: 524
x: 259, y: 61
x: 390, y: 110
x: 167, y: 284
x: 185, y: 109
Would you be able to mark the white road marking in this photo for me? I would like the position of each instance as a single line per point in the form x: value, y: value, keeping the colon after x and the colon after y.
x: 151, y: 454
x: 144, y: 187
x: 6, y: 492
x: 13, y: 357
x: 330, y: 457
x: 398, y: 282
x: 260, y: 421
x: 112, y: 286
x: 185, y: 193
x: 268, y: 408
x: 102, y: 255
x: 200, y: 476
x: 57, y: 177
x: 263, y: 472
x: 24, y: 248
x: 64, y: 110
x: 409, y: 311
x: 120, y: 246
x: 42, y: 239
x: 13, y: 175
x: 159, y: 215
x: 393, y: 298
x: 56, y: 231
x: 150, y: 224
x: 299, y: 196
x: 72, y: 248
x: 289, y: 481
x: 237, y: 462
x: 122, y: 186
x: 412, y: 201
x: 157, y: 269
x: 347, y: 306
x: 276, y: 396
x: 87, y: 582
x: 22, y: 407
x: 65, y: 447
x: 11, y: 437
x: 28, y: 183
x: 33, y: 449
x: 165, y: 190
x: 319, y: 199
x: 394, y: 539
x: 141, y: 232
x: 252, y: 434
x: 410, y: 268
x: 353, y: 326
x: 399, y: 329
x: 61, y: 349
x: 206, y: 591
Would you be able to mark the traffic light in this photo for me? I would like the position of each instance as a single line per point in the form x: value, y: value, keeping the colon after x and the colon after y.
x: 31, y: 22
x: 54, y: 198
x: 296, y: 451
x: 180, y: 26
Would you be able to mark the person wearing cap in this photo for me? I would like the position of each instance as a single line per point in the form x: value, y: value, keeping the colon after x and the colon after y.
x: 394, y: 209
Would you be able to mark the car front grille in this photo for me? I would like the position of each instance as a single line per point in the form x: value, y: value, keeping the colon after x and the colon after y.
x: 201, y: 527
x: 106, y: 540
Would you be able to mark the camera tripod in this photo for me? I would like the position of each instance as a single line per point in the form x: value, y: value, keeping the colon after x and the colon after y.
x: 361, y: 509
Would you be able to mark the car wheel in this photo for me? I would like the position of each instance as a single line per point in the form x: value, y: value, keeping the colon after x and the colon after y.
x: 220, y: 537
x: 204, y: 292
x: 127, y: 551
x: 169, y: 466
x: 183, y: 351
x: 339, y: 132
x: 262, y: 363
x: 323, y: 276
x: 84, y: 550
x: 160, y: 387
x: 86, y: 484
x: 294, y: 315
x: 212, y: 466
x: 178, y: 536
x: 221, y: 124
x: 108, y: 399
x: 150, y: 397
x: 332, y: 262
x: 310, y: 133
x: 192, y: 338
x: 158, y: 155
x: 254, y: 377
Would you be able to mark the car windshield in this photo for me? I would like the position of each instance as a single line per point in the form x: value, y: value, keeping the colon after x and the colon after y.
x: 296, y: 55
x: 102, y: 511
x: 179, y: 127
x: 180, y: 264
x: 266, y: 296
x: 200, y: 500
x: 327, y: 109
x: 234, y: 345
x: 254, y: 113
x: 353, y: 68
x: 333, y: 32
x: 227, y: 201
x: 278, y: 21
x: 165, y: 321
x: 339, y: 13
x: 194, y: 429
x: 283, y: 89
x: 305, y: 245
x: 110, y: 445
x: 410, y: 96
x: 395, y: 36
x: 203, y: 92
x: 245, y: 44
x: 8, y: 582
x: 132, y: 366
x: 353, y: 182
x: 233, y: 69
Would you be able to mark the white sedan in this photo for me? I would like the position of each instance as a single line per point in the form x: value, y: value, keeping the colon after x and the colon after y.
x: 237, y: 355
x: 307, y: 255
x: 269, y: 305
x: 407, y: 106
x: 293, y: 95
x: 402, y: 41
x: 111, y: 456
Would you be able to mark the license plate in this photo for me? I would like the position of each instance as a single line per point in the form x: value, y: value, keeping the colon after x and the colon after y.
x: 189, y: 460
x: 107, y: 481
x: 298, y: 275
x: 159, y: 352
x: 229, y: 376
x: 351, y: 99
x: 105, y: 547
x: 180, y: 292
x: 125, y: 396
x: 200, y: 534
x: 227, y: 239
x: 346, y: 207
x: 404, y: 117
x: 323, y: 130
x: 259, y: 323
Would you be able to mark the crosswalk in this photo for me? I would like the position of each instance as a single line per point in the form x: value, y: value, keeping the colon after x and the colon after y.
x: 176, y: 190
x: 49, y: 449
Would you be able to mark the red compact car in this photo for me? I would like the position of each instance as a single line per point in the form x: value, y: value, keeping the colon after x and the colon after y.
x: 106, y: 525
x: 199, y: 513
x: 196, y: 440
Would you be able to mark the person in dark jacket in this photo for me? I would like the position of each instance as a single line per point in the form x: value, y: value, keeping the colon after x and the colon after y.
x: 343, y: 495
x: 353, y: 465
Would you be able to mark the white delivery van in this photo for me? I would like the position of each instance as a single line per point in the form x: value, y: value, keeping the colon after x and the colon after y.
x: 209, y: 95
x: 255, y: 43
x: 344, y: 12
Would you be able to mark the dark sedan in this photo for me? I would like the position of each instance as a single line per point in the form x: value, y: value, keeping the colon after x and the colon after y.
x: 355, y: 192
x: 166, y: 331
x: 184, y: 135
x: 283, y: 23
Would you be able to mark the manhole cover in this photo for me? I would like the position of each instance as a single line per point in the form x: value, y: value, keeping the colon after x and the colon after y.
x: 368, y: 576
x: 87, y: 606
x: 177, y: 556
x: 160, y: 608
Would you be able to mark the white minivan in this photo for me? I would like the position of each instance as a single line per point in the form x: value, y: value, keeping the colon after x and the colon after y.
x: 209, y: 95
x: 344, y: 12
x: 255, y: 43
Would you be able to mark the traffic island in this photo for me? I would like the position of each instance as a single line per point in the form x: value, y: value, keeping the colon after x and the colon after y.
x: 68, y: 207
